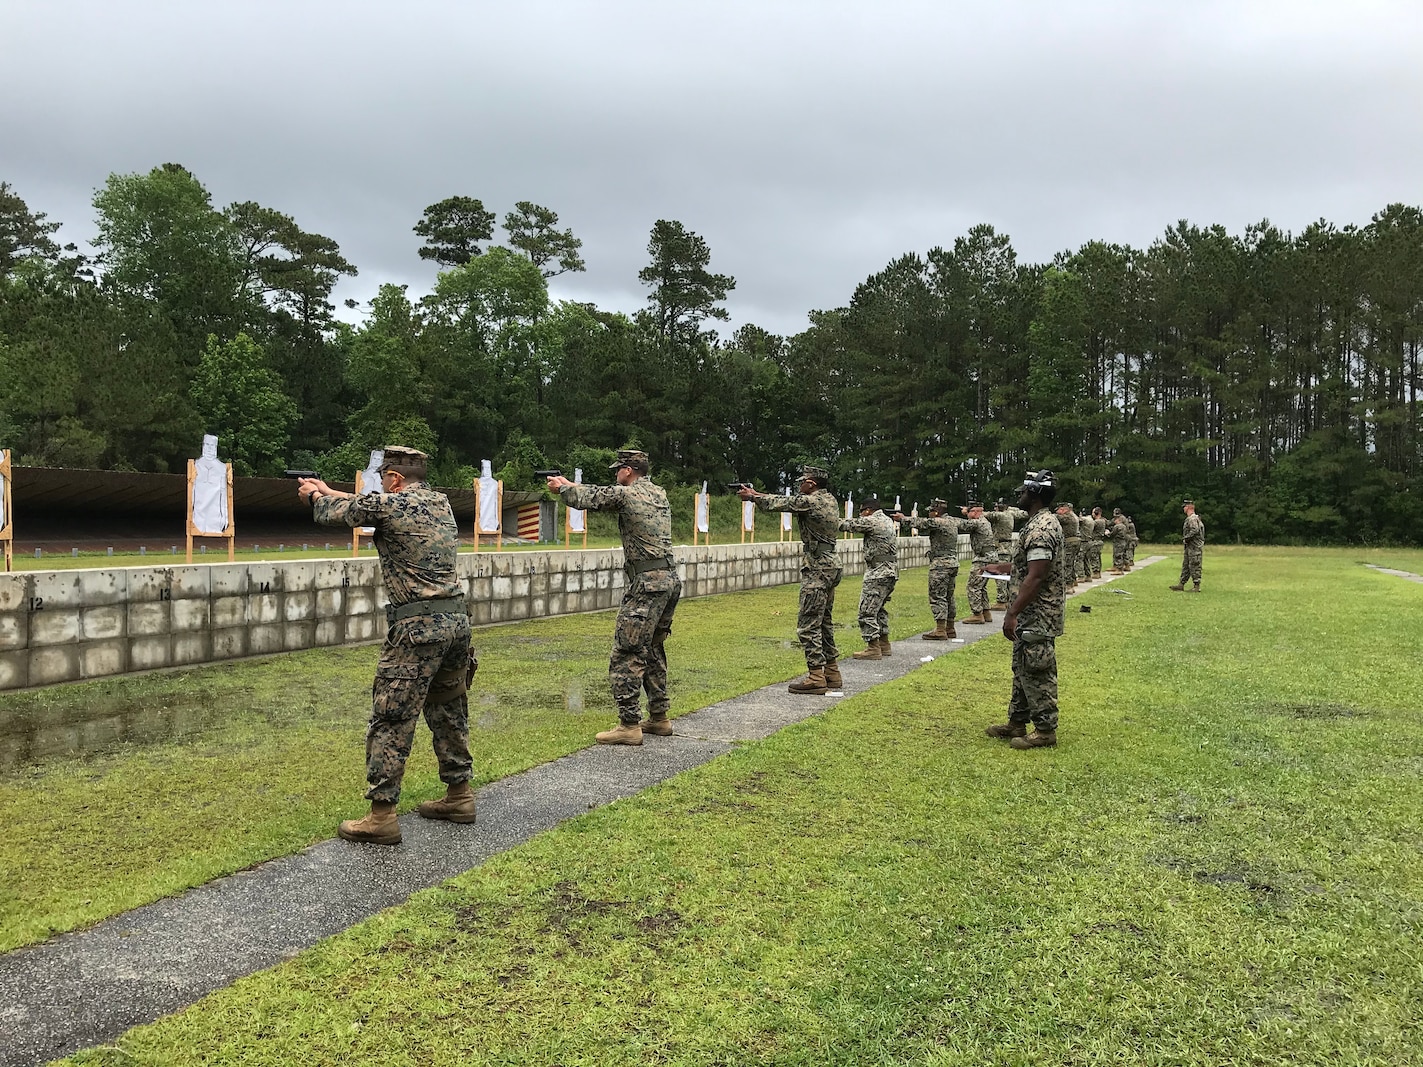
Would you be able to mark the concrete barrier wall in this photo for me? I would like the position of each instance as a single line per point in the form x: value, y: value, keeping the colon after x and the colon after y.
x: 61, y: 626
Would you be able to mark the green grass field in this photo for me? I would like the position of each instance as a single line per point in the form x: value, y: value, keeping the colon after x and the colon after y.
x: 1219, y: 864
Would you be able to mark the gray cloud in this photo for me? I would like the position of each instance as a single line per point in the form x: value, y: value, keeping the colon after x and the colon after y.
x: 809, y: 142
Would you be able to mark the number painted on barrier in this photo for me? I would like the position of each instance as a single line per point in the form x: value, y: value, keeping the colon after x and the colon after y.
x: 264, y: 587
x: 36, y: 603
x: 165, y: 593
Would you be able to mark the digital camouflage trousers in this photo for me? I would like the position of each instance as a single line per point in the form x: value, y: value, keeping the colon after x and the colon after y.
x: 1071, y: 548
x: 815, y: 626
x: 1191, y: 564
x: 943, y: 577
x: 639, y: 660
x: 415, y: 651
x: 978, y: 588
x: 874, y: 598
x: 1005, y: 555
x: 1119, y: 555
x: 1034, y: 684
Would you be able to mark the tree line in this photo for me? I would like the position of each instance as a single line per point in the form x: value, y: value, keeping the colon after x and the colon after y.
x: 1272, y: 376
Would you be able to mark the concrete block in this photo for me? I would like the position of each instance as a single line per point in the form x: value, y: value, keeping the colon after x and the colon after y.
x: 193, y: 582
x: 264, y: 638
x: 466, y: 564
x: 14, y: 630
x: 103, y: 587
x: 361, y: 628
x: 194, y: 647
x: 98, y: 659
x: 54, y: 627
x: 14, y: 670
x: 298, y: 576
x: 330, y: 574
x: 264, y: 608
x: 330, y: 631
x: 498, y: 610
x: 501, y: 566
x: 363, y: 571
x: 481, y: 588
x: 555, y: 582
x: 382, y: 598
x: 521, y: 584
x: 228, y: 579
x: 15, y: 592
x: 604, y: 579
x: 553, y: 604
x: 96, y: 624
x: 298, y: 606
x: 330, y: 601
x: 573, y: 581
x: 229, y: 642
x: 51, y: 590
x: 519, y: 608
x: 538, y: 607
x: 188, y: 616
x: 264, y: 578
x: 296, y: 635
x: 360, y: 600
x: 147, y: 653
x: 57, y: 663
x: 479, y: 613
x: 605, y: 599
x: 148, y: 584
x: 503, y: 588
x: 228, y: 611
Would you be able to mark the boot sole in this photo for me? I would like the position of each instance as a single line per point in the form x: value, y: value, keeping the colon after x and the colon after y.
x: 439, y: 816
x: 633, y: 743
x: 367, y: 839
x: 809, y: 692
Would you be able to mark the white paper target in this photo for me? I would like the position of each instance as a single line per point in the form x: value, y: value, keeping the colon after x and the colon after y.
x: 488, y: 488
x: 748, y: 515
x: 3, y: 454
x: 210, y: 491
x: 576, y: 517
x: 703, y: 510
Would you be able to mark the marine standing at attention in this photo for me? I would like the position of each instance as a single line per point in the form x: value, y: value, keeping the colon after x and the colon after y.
x: 1132, y: 541
x: 1034, y: 619
x: 881, y: 573
x: 1003, y: 518
x: 817, y: 514
x: 1071, y: 542
x: 639, y: 659
x: 943, y: 534
x: 985, y: 551
x: 1099, y: 534
x: 426, y: 660
x: 1193, y: 541
x: 1118, y: 534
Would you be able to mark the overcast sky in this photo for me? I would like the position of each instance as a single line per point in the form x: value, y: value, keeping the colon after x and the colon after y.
x: 808, y: 142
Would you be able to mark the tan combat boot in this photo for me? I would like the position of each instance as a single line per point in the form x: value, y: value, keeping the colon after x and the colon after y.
x: 1196, y: 588
x: 457, y: 806
x: 1037, y: 739
x: 940, y: 632
x: 833, y: 677
x: 622, y: 734
x: 883, y: 643
x: 658, y: 725
x: 1177, y: 588
x: 378, y: 828
x: 871, y: 652
x: 813, y: 684
x: 1005, y: 730
x: 973, y: 620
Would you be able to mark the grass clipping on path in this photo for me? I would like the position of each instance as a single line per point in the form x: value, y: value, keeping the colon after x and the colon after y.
x: 1220, y: 863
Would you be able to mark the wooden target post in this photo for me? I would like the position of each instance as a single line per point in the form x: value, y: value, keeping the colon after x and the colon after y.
x: 7, y: 515
x: 357, y: 532
x: 230, y: 534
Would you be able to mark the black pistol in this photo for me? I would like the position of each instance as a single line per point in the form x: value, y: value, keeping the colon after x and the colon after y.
x: 554, y: 473
x: 301, y: 474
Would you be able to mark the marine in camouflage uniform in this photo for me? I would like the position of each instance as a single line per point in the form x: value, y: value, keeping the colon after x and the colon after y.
x: 1099, y: 534
x: 817, y: 515
x: 1118, y: 534
x: 943, y: 534
x: 425, y: 662
x: 1132, y: 542
x: 639, y: 658
x: 985, y: 551
x: 1003, y: 518
x: 1084, y: 551
x: 1193, y: 542
x: 881, y: 536
x: 1034, y: 621
x: 1071, y: 542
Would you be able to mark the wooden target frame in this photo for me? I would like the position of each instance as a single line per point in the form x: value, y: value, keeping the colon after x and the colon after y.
x: 498, y: 535
x: 7, y: 531
x: 230, y: 534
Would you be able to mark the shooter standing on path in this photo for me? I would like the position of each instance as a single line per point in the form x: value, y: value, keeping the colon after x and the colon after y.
x: 426, y: 661
x: 817, y: 514
x: 1035, y: 617
x: 943, y: 565
x: 985, y: 552
x: 881, y: 573
x: 639, y: 659
x: 1193, y: 541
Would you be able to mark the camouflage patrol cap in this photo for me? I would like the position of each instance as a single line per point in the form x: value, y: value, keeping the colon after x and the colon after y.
x: 1116, y: 511
x: 973, y: 503
x: 405, y: 460
x: 938, y: 504
x: 1060, y: 507
x: 631, y: 457
x: 1188, y: 501
x: 813, y: 470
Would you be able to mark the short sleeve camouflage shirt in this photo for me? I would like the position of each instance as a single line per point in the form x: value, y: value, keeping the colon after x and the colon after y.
x: 1042, y: 538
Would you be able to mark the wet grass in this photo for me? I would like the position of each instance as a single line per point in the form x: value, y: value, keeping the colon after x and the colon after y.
x: 1200, y: 873
x: 155, y: 783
